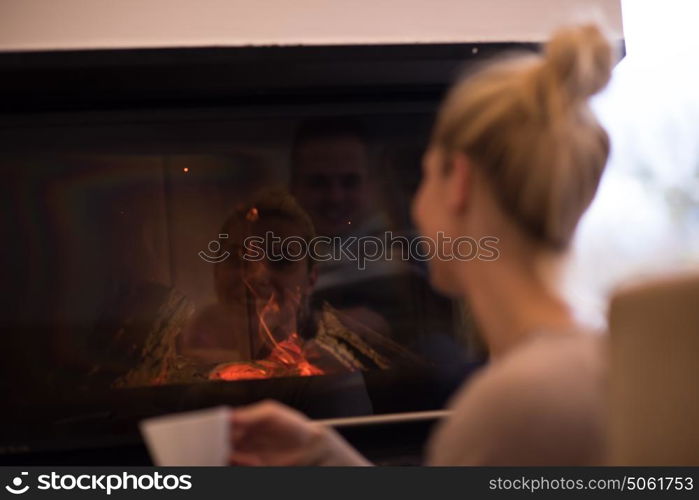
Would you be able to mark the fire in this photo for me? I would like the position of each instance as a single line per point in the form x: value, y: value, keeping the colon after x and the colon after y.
x: 286, y: 360
x: 287, y: 357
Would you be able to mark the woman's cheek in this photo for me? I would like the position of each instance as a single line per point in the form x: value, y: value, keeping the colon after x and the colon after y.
x: 418, y: 208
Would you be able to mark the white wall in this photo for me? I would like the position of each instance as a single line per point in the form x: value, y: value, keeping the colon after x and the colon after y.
x: 663, y: 29
x: 73, y: 24
x: 644, y: 220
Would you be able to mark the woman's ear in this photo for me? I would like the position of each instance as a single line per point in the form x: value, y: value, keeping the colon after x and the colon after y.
x: 459, y: 183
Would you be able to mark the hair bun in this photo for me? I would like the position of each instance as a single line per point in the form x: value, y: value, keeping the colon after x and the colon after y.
x: 580, y: 59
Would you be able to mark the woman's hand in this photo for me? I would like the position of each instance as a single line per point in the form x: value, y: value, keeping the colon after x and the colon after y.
x: 272, y: 434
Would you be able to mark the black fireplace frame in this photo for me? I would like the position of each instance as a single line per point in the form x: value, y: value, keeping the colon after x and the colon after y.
x: 101, y: 80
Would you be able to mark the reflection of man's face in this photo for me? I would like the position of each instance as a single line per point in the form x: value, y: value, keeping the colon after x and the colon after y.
x: 330, y: 181
x: 278, y: 290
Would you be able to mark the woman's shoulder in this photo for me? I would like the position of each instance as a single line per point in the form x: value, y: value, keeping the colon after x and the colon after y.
x: 540, y: 404
x: 555, y: 362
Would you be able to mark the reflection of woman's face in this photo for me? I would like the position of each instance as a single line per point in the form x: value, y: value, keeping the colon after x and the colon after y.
x: 277, y: 288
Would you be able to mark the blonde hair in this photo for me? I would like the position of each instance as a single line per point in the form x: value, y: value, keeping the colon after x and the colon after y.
x: 525, y: 122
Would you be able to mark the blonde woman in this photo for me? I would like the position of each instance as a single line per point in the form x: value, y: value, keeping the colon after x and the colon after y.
x: 516, y: 154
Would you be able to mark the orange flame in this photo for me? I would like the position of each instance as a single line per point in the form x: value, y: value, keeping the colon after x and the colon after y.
x: 287, y: 357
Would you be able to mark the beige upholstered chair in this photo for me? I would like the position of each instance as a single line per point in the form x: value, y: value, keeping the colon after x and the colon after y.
x: 654, y: 373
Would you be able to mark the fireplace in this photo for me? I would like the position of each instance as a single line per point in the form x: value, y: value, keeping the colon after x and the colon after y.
x: 194, y: 227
